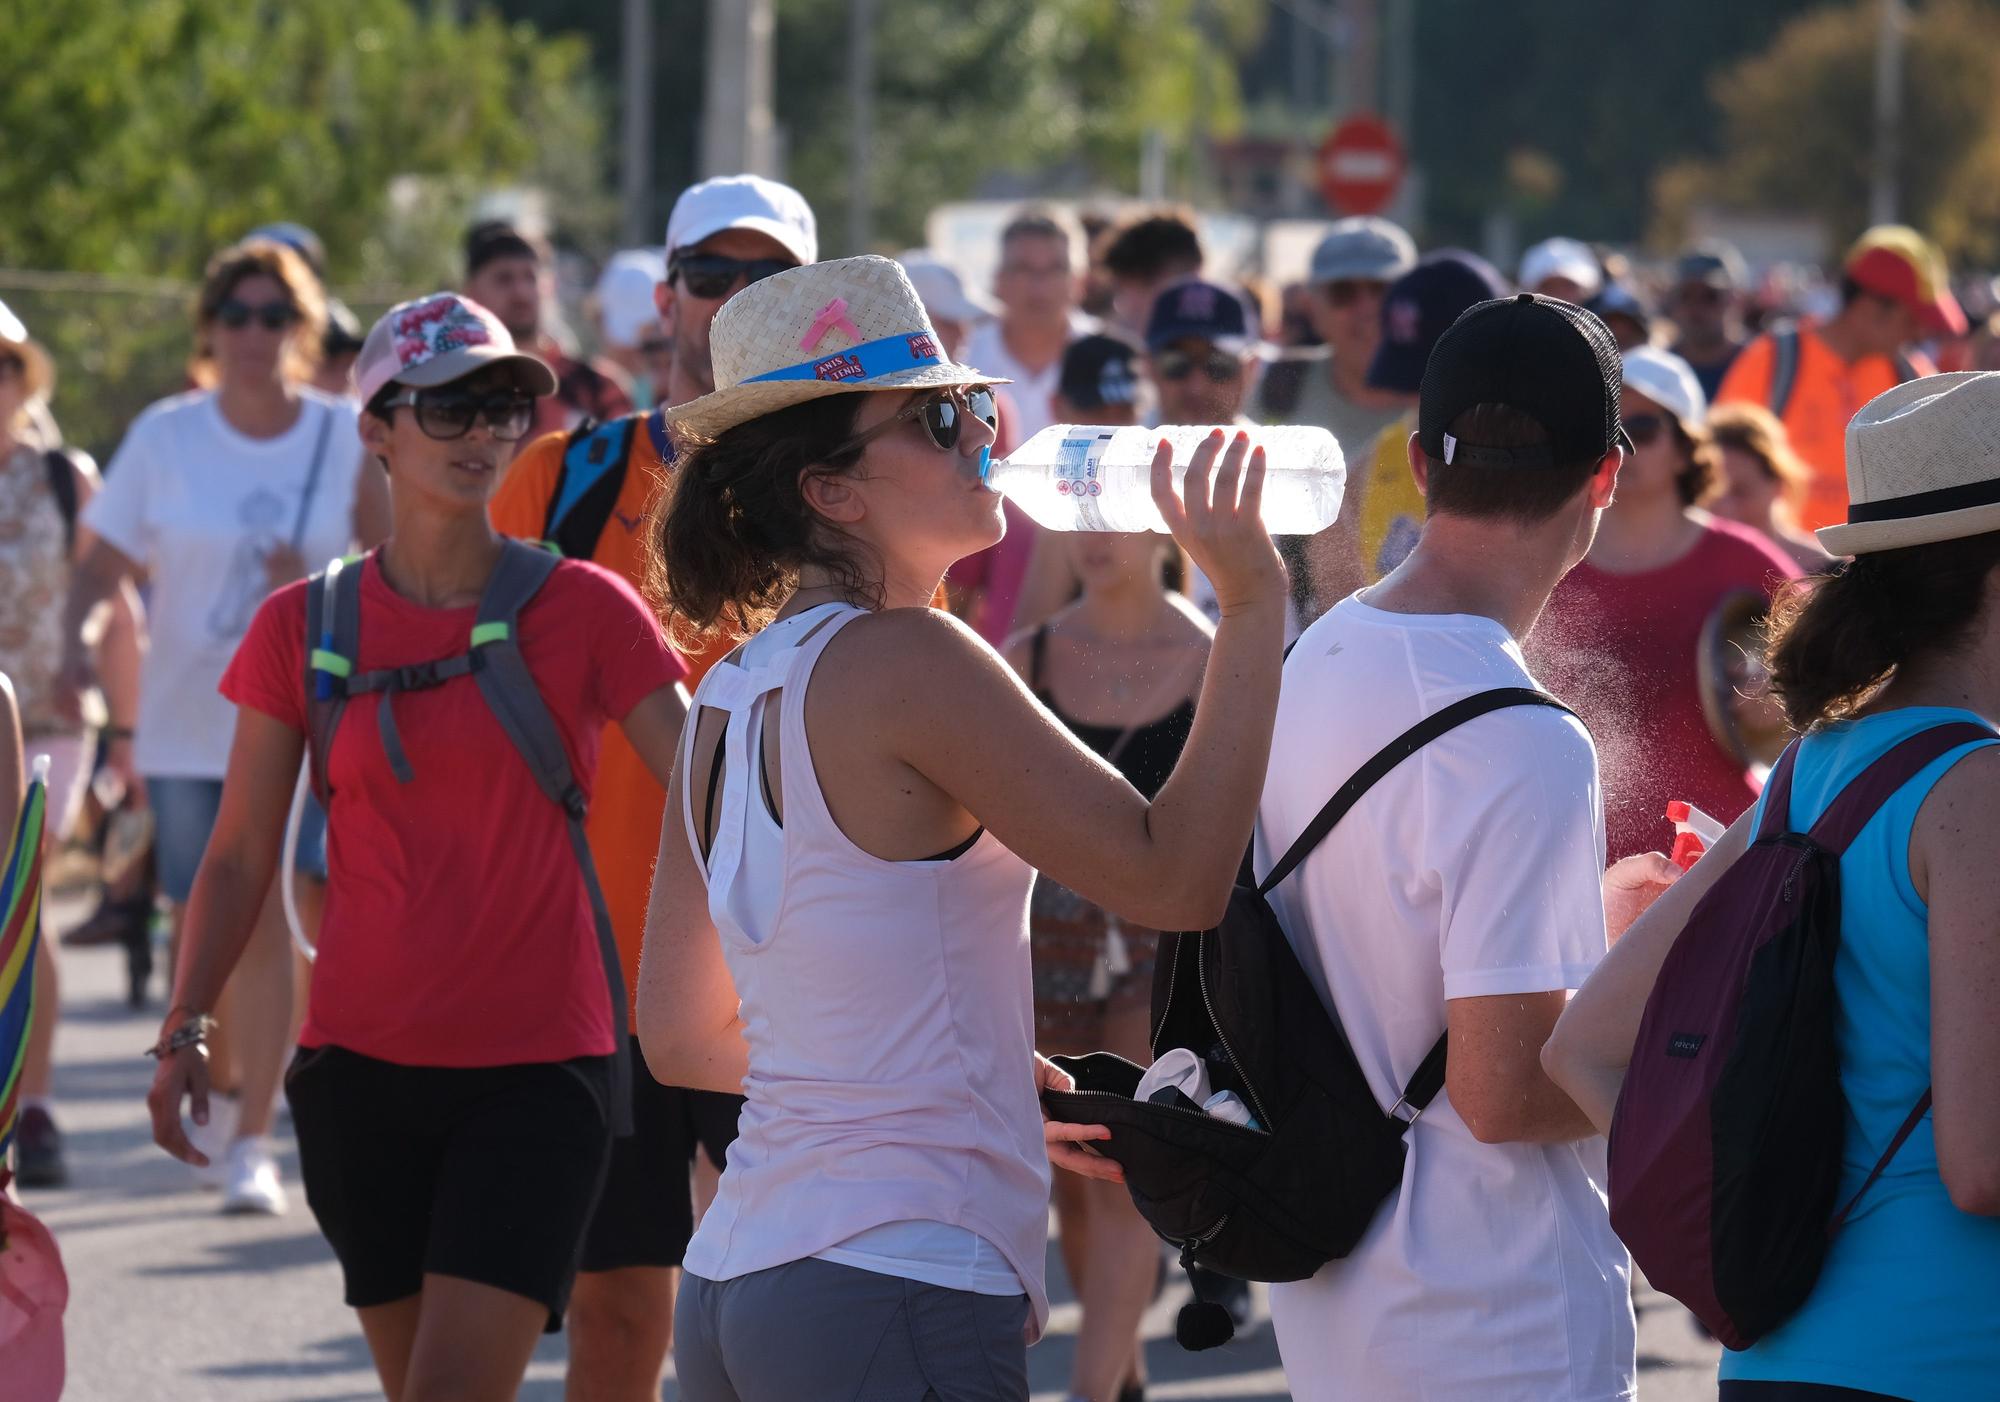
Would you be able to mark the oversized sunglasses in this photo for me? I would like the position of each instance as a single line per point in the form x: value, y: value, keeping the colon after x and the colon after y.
x: 1347, y: 292
x: 1174, y: 365
x: 449, y: 414
x: 942, y: 415
x: 237, y: 314
x: 714, y: 275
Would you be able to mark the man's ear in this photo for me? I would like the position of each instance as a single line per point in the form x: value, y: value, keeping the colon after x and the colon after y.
x: 1420, y: 466
x: 832, y: 497
x: 1604, y: 481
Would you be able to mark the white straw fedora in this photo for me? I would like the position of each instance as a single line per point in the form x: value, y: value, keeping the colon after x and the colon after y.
x: 1923, y: 465
x: 826, y: 328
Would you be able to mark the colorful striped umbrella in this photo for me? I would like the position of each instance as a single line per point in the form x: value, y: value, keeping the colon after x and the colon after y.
x: 20, y: 920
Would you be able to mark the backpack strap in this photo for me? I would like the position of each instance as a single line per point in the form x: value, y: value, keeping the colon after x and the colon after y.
x: 592, y: 476
x: 1896, y: 1141
x: 333, y: 634
x: 1844, y: 818
x: 63, y: 470
x: 1393, y: 754
x: 1777, y: 816
x: 509, y: 689
x: 1428, y: 1079
x: 1784, y: 366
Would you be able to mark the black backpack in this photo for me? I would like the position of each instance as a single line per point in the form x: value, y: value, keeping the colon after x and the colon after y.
x: 1278, y: 1202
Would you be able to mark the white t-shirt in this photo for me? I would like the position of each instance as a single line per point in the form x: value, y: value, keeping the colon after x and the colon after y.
x: 200, y: 505
x: 1472, y: 869
x: 986, y: 350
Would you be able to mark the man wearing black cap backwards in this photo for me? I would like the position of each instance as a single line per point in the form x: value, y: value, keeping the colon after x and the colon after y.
x: 1462, y: 896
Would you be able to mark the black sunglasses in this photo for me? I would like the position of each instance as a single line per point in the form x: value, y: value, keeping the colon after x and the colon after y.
x: 713, y: 275
x: 940, y: 415
x: 237, y: 314
x: 1644, y: 428
x: 449, y: 414
x: 1219, y: 366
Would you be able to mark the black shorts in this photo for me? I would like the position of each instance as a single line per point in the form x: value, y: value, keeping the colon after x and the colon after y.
x: 646, y: 1214
x: 483, y: 1173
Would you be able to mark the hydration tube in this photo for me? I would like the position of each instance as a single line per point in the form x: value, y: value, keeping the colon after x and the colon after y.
x: 287, y: 874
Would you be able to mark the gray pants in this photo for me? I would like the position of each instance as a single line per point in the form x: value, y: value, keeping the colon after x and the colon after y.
x: 813, y: 1331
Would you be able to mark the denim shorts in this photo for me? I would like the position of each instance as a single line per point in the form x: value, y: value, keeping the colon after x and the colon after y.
x: 184, y: 812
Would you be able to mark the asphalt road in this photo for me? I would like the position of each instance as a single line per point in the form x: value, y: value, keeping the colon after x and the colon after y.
x: 171, y: 1301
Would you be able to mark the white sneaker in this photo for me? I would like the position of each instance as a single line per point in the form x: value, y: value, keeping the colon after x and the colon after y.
x: 253, y: 1183
x: 214, y: 1139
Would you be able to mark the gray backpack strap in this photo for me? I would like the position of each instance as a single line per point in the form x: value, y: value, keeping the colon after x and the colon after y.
x: 1784, y: 367
x: 504, y: 680
x: 333, y: 634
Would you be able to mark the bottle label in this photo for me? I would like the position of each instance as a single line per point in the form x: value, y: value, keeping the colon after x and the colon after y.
x: 1080, y: 477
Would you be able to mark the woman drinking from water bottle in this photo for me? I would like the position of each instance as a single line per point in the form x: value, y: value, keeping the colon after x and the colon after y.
x: 839, y: 918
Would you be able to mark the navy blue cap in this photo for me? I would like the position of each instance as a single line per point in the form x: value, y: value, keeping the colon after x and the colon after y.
x: 1420, y: 306
x: 1197, y: 310
x: 1622, y: 299
x: 1099, y: 370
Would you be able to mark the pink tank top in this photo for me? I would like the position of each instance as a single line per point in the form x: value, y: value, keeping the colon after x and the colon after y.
x: 888, y: 1008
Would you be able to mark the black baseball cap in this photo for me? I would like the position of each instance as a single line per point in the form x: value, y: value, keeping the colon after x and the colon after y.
x: 1550, y: 360
x: 1099, y: 370
x: 496, y: 238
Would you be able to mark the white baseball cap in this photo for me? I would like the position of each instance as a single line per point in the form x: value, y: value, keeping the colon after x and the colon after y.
x: 1669, y: 382
x: 625, y: 293
x: 744, y: 202
x: 942, y: 289
x: 1565, y: 258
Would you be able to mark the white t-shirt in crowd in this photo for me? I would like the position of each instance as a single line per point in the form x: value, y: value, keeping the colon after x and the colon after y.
x: 1472, y: 869
x: 200, y: 505
x: 986, y: 350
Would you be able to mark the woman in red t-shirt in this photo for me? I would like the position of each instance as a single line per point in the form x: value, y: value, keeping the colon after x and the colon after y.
x: 451, y: 1090
x: 1622, y: 638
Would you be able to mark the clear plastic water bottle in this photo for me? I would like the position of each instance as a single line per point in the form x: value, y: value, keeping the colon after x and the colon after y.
x: 1079, y: 478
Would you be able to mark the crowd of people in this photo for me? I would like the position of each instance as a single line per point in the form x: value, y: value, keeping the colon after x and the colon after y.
x: 745, y: 801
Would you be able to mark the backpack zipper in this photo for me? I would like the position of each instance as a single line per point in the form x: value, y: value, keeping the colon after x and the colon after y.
x: 1256, y: 1101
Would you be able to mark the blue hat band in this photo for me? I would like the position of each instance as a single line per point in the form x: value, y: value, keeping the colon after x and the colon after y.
x: 868, y: 361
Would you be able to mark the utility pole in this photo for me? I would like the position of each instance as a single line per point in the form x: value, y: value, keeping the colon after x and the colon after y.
x: 636, y: 149
x: 737, y: 130
x: 1356, y: 57
x: 1882, y: 192
x: 861, y: 134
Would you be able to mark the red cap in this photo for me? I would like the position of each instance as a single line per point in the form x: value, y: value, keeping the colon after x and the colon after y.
x: 1897, y: 262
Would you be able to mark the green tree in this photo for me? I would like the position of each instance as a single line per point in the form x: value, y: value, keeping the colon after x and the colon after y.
x: 1798, y: 122
x: 140, y: 138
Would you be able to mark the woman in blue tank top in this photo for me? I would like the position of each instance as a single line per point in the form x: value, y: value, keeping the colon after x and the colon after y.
x: 1902, y: 640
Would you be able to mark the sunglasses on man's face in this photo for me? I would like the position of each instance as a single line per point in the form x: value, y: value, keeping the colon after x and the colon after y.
x: 1348, y: 292
x: 448, y: 414
x: 713, y: 275
x: 237, y: 314
x: 943, y: 416
x: 1644, y: 428
x: 1219, y: 366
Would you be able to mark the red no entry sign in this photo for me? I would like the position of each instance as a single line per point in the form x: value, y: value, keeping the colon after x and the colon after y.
x: 1360, y: 165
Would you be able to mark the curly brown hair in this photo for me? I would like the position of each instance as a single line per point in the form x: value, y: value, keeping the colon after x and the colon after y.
x: 733, y: 529
x: 1838, y: 638
x: 274, y: 260
x: 1702, y: 471
x: 1755, y: 430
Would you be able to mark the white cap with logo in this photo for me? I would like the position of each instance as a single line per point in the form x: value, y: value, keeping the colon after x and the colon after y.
x: 744, y: 202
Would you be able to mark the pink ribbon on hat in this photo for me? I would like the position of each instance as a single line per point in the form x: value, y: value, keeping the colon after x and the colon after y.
x: 833, y: 314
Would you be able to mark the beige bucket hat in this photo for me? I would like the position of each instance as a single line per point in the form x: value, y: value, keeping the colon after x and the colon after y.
x: 826, y: 328
x: 41, y: 372
x: 1923, y: 465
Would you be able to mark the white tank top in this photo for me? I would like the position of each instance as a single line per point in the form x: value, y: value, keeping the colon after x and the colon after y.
x: 889, y: 1012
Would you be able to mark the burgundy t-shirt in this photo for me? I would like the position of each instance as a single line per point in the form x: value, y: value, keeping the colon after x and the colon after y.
x: 1621, y: 649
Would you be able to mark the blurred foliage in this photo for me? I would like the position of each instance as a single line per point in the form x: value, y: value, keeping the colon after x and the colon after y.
x: 1799, y: 126
x: 140, y: 138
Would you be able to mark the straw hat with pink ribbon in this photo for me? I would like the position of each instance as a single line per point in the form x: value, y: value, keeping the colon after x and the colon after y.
x: 826, y: 328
